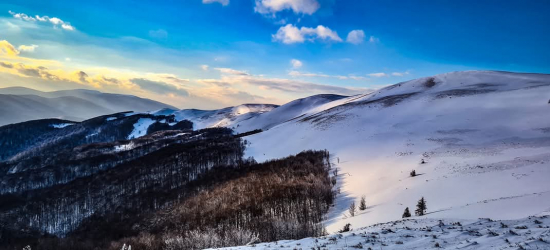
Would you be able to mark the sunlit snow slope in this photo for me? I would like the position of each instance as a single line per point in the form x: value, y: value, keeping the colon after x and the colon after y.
x: 485, y: 138
x: 226, y: 117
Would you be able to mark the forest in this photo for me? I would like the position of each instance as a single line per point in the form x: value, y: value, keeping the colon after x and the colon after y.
x: 172, y: 189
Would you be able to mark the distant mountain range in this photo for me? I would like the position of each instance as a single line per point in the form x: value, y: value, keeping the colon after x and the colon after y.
x: 19, y: 104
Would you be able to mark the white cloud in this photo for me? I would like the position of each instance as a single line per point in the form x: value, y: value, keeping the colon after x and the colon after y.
x: 222, y: 2
x: 289, y: 34
x: 356, y: 37
x: 27, y: 48
x: 53, y: 20
x: 41, y: 19
x: 298, y: 6
x: 296, y: 63
x: 283, y: 85
x: 400, y: 73
x: 373, y: 39
x: 381, y: 74
x: 22, y: 16
x: 357, y: 78
x: 229, y: 71
x: 295, y: 73
x: 204, y: 67
x: 67, y: 26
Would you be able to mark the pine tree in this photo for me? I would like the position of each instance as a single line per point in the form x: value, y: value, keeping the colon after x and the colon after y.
x: 421, y: 207
x: 407, y: 213
x: 413, y: 173
x: 352, y: 209
x: 362, y: 204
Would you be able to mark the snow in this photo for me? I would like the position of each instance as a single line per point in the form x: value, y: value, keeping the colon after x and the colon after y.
x: 226, y: 117
x: 125, y: 147
x: 287, y: 112
x: 61, y: 125
x: 483, y: 135
x: 140, y: 128
x: 483, y: 233
x: 165, y: 111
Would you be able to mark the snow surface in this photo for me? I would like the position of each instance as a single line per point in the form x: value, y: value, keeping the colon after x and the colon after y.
x: 61, y: 125
x: 529, y: 233
x: 140, y: 128
x: 124, y: 147
x: 226, y: 117
x: 287, y: 112
x: 485, y: 137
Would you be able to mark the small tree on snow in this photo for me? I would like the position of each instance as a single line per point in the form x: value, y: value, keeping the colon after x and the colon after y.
x: 352, y: 209
x: 346, y: 228
x: 413, y: 173
x: 421, y: 207
x: 362, y: 204
x: 407, y: 213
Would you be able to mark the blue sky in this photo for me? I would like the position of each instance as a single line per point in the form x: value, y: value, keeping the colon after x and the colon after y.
x: 216, y: 53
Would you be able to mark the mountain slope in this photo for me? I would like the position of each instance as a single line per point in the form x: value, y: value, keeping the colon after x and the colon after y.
x: 284, y: 113
x: 14, y: 108
x: 18, y: 104
x: 226, y: 117
x: 483, y: 135
x: 525, y: 233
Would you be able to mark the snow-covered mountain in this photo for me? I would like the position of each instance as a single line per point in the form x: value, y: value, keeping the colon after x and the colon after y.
x: 226, y: 117
x: 287, y: 112
x: 248, y: 117
x: 18, y: 104
x: 484, y: 137
x: 479, y: 142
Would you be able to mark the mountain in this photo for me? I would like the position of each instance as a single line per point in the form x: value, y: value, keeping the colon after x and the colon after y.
x: 248, y: 117
x: 479, y: 141
x: 475, y: 145
x: 287, y: 112
x: 18, y: 108
x: 19, y: 104
x: 226, y: 117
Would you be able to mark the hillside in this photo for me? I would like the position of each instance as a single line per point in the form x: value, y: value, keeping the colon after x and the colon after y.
x: 226, y: 117
x: 483, y: 233
x: 484, y: 138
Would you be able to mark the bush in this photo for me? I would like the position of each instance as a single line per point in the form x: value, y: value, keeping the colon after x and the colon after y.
x: 346, y: 228
x: 406, y: 214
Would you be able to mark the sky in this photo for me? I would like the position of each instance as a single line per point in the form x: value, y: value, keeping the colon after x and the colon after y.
x: 211, y: 54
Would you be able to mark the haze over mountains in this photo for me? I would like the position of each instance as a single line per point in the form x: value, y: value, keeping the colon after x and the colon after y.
x: 478, y: 141
x: 18, y: 104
